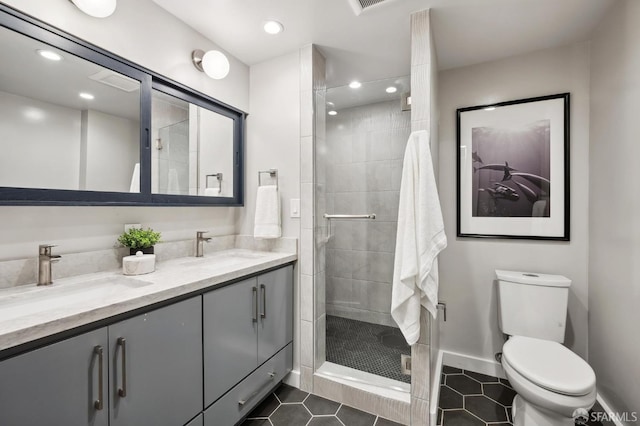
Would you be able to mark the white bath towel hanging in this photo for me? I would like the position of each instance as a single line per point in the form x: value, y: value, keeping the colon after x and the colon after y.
x: 267, y: 220
x: 419, y: 240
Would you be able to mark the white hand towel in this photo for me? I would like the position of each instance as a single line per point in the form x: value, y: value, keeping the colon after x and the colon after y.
x: 419, y: 240
x: 267, y: 221
x: 135, y: 179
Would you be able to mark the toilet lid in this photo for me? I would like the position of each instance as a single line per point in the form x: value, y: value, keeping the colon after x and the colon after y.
x: 549, y: 365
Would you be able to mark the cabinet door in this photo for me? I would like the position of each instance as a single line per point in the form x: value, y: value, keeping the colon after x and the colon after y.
x: 57, y: 384
x: 275, y: 329
x: 156, y: 366
x: 230, y: 337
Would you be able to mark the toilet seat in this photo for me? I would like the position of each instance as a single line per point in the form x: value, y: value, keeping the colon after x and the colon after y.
x: 549, y: 365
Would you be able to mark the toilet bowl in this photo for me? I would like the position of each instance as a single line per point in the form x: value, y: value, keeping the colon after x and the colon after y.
x: 553, y: 384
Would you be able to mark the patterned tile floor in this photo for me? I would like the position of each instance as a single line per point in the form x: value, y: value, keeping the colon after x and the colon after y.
x: 366, y: 347
x: 473, y: 399
x: 289, y: 406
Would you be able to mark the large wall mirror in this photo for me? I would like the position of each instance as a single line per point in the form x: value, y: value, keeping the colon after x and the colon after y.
x: 81, y: 126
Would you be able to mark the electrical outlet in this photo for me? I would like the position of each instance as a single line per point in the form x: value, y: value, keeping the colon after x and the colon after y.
x: 295, y: 207
x: 128, y: 226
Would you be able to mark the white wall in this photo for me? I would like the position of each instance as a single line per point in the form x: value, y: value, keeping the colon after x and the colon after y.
x: 112, y: 150
x: 614, y: 249
x: 216, y: 152
x: 39, y: 143
x: 143, y: 33
x: 467, y: 265
x: 273, y: 141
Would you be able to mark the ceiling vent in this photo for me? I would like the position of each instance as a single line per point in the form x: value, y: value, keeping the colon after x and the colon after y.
x: 360, y: 6
x: 116, y: 80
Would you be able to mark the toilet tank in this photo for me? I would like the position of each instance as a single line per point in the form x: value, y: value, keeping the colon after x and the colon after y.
x: 532, y: 305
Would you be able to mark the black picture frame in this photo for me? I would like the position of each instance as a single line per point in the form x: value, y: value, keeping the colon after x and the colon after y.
x: 512, y: 169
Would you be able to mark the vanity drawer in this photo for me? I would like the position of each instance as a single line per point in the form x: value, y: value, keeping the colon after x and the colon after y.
x: 240, y: 400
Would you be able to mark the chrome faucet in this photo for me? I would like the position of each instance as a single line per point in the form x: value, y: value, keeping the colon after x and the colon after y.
x: 200, y: 239
x: 45, y: 259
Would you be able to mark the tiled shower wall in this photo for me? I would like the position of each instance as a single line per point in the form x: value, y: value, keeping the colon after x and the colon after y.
x: 365, y: 149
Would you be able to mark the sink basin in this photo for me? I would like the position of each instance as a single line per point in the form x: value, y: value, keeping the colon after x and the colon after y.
x: 36, y: 300
x: 221, y: 260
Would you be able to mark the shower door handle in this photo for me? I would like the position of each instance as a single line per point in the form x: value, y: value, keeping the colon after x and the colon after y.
x: 442, y: 306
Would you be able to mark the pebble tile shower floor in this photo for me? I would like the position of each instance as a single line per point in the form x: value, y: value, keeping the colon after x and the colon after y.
x: 366, y: 347
x: 289, y: 406
x: 473, y: 399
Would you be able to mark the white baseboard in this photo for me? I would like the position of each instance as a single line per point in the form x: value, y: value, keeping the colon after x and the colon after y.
x: 435, y: 390
x: 292, y: 379
x: 607, y: 408
x: 468, y: 362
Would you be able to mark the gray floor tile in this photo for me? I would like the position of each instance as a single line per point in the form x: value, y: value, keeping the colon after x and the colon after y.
x: 500, y: 393
x: 318, y: 405
x: 290, y: 415
x: 484, y: 408
x: 286, y: 393
x: 353, y: 417
x: 449, y: 399
x: 325, y: 421
x: 464, y: 385
x: 482, y: 378
x: 385, y: 422
x: 460, y: 418
x: 266, y: 407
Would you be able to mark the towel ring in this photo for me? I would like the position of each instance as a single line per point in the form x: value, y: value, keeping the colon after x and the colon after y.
x: 218, y: 176
x: 273, y: 173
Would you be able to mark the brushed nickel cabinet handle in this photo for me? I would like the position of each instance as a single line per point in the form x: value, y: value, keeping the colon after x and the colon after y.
x: 255, y: 304
x: 257, y: 391
x: 122, y: 342
x: 98, y: 404
x: 263, y: 289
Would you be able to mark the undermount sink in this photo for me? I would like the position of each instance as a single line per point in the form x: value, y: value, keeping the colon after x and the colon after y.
x: 223, y: 259
x: 47, y: 298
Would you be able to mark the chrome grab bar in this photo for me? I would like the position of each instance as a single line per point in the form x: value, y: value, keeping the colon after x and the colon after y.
x: 349, y: 216
x: 330, y: 217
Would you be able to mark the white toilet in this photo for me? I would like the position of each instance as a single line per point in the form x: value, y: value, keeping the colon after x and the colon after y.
x: 553, y: 384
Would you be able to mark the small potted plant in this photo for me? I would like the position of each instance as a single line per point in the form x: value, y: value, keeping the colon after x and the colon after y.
x: 138, y: 239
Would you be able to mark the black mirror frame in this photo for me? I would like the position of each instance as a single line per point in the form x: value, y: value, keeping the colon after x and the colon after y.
x: 38, y: 30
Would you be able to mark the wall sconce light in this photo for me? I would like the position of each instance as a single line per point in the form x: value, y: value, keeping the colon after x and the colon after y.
x: 96, y: 8
x: 213, y: 63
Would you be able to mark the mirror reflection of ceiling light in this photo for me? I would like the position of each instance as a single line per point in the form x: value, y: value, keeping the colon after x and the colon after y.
x: 355, y: 84
x: 48, y: 54
x: 96, y: 8
x: 273, y: 27
x: 213, y: 63
x: 333, y: 112
x: 87, y: 96
x: 489, y: 108
x: 391, y: 89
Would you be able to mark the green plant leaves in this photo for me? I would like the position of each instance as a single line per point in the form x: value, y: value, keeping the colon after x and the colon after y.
x: 139, y: 238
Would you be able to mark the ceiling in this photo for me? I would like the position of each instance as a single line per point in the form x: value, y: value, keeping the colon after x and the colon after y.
x: 376, y: 44
x: 25, y: 73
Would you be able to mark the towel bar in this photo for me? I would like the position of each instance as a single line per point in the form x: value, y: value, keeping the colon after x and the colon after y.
x: 329, y: 217
x: 272, y: 172
x: 217, y: 176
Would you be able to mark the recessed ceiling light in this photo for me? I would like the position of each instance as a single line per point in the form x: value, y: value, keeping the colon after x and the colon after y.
x: 273, y: 27
x: 489, y: 108
x: 355, y: 84
x: 331, y: 104
x: 48, y: 54
x: 332, y: 112
x: 85, y: 95
x: 391, y: 89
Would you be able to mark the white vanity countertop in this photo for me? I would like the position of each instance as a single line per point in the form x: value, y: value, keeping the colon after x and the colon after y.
x: 30, y: 312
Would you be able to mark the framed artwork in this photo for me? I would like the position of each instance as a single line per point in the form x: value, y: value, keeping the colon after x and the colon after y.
x: 513, y: 169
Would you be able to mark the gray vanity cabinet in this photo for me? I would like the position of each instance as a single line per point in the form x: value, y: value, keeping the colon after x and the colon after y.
x: 156, y: 366
x: 275, y: 319
x: 58, y: 384
x: 245, y: 324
